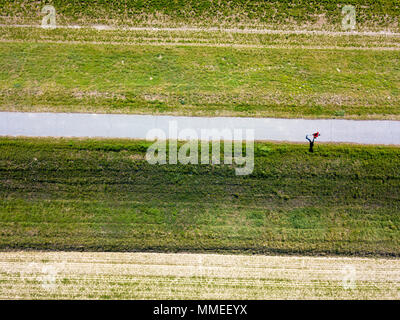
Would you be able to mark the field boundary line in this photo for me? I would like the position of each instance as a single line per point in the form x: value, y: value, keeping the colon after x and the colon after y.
x: 189, y: 44
x: 214, y: 29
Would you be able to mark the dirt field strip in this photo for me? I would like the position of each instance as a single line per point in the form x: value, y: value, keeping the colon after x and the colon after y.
x: 196, y: 276
x: 227, y: 30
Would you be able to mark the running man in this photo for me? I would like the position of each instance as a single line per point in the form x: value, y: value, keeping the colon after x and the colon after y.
x: 311, y: 138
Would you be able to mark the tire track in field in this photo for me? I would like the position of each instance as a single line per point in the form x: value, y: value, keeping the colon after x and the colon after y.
x: 214, y: 29
x: 192, y: 44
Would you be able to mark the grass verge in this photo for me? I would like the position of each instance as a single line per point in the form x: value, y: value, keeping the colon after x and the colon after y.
x: 200, y: 81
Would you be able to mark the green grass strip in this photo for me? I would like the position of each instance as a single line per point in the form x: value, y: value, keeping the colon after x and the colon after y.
x: 101, y: 195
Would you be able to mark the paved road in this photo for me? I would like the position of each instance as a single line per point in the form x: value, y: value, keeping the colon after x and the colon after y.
x: 137, y: 126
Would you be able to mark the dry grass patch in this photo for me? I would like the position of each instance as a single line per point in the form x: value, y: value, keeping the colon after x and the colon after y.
x: 71, y: 275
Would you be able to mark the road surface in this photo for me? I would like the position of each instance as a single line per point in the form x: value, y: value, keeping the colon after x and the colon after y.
x: 138, y: 126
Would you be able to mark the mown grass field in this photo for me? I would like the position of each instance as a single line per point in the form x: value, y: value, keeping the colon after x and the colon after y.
x: 201, y: 81
x: 319, y: 14
x: 181, y: 71
x: 83, y: 275
x: 101, y: 195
